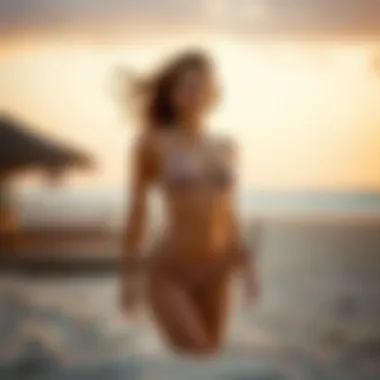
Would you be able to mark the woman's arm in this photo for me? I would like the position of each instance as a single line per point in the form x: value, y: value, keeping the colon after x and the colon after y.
x: 243, y: 255
x: 136, y: 224
x: 235, y: 232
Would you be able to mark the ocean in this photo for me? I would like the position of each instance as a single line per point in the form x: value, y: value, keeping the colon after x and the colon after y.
x: 108, y: 206
x: 317, y: 317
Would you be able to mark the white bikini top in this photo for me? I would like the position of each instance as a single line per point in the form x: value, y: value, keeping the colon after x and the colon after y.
x: 186, y: 169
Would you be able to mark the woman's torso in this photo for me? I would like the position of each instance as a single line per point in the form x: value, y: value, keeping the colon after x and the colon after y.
x: 196, y: 179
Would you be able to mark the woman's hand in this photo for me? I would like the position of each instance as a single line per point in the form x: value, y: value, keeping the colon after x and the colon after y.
x: 248, y: 270
x: 251, y: 284
x: 129, y: 296
x: 245, y: 262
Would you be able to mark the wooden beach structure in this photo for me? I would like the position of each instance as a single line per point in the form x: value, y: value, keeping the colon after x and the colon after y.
x: 23, y: 150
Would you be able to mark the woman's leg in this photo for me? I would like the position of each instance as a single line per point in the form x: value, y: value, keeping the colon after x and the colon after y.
x: 213, y: 305
x: 177, y: 316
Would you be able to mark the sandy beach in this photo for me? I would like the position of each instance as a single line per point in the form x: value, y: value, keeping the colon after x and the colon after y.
x: 317, y: 317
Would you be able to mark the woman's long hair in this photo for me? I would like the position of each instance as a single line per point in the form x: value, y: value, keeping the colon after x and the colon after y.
x: 151, y: 96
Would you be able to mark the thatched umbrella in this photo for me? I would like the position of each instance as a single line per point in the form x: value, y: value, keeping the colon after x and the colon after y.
x: 21, y: 149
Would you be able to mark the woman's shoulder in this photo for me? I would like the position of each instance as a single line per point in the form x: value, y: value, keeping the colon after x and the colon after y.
x: 144, y: 147
x: 150, y: 140
x: 225, y: 142
x: 153, y: 144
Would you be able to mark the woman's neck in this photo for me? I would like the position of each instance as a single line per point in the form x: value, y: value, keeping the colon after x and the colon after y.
x: 191, y: 128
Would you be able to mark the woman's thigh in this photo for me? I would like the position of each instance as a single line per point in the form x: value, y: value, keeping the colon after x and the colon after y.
x: 213, y: 302
x: 176, y: 314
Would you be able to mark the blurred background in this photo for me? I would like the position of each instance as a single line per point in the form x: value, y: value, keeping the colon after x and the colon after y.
x: 301, y: 94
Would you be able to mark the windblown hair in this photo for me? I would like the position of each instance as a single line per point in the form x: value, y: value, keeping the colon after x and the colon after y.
x: 153, y: 95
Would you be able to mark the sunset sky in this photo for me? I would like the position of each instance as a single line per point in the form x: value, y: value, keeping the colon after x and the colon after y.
x: 301, y: 81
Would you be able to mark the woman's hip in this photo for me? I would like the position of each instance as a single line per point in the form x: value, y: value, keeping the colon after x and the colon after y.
x: 193, y: 276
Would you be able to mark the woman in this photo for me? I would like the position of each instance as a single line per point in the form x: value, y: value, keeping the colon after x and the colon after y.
x: 188, y: 269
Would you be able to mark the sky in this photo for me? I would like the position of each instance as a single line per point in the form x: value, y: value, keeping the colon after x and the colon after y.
x: 301, y: 80
x: 302, y: 16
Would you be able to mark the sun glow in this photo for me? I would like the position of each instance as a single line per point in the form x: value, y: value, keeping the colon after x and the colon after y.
x: 305, y: 115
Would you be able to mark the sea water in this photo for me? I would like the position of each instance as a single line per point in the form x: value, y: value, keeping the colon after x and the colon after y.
x: 107, y: 207
x: 317, y: 318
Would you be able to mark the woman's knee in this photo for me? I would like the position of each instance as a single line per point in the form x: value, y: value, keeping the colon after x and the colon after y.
x: 209, y: 348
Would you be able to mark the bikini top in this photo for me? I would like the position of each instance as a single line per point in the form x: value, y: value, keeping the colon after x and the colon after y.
x: 184, y: 169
